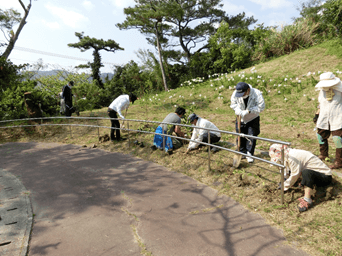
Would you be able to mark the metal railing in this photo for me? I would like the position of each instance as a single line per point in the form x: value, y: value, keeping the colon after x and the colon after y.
x: 281, y: 166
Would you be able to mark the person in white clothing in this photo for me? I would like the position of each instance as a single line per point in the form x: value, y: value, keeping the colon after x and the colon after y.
x: 201, y: 135
x: 116, y: 107
x: 329, y: 118
x: 302, y: 163
x: 248, y: 103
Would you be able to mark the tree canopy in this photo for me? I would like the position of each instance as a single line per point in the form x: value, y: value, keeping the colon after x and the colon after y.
x: 85, y: 43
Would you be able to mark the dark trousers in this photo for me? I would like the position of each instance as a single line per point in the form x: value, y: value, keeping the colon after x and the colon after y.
x: 324, y: 147
x: 114, y: 124
x: 68, y: 107
x: 311, y: 178
x: 213, y: 138
x: 251, y: 128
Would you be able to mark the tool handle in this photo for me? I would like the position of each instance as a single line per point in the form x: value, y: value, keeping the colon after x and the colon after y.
x: 239, y: 131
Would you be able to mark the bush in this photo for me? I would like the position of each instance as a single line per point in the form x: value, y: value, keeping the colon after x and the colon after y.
x: 291, y: 38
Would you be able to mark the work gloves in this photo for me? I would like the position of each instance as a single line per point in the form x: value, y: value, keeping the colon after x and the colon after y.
x: 315, y: 118
x: 244, y: 112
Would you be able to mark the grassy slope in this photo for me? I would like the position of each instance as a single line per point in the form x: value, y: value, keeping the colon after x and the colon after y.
x: 288, y: 116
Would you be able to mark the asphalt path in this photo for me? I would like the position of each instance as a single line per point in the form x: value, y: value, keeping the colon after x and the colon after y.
x: 92, y: 202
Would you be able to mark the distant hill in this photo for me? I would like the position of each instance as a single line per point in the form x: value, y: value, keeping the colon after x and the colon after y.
x: 55, y: 72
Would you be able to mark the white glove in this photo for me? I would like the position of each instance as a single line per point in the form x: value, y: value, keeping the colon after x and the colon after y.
x: 244, y: 112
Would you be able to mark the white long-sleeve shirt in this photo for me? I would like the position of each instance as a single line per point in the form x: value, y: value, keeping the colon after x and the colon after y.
x: 198, y: 133
x: 255, y: 105
x: 330, y: 114
x: 299, y: 160
x: 120, y: 104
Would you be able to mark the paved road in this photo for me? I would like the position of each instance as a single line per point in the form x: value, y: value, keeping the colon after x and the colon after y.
x: 92, y: 202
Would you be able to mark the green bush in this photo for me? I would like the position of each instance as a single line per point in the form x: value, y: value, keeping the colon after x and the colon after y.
x: 300, y: 35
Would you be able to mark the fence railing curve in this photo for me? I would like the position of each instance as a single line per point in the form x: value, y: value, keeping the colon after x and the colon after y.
x: 281, y: 166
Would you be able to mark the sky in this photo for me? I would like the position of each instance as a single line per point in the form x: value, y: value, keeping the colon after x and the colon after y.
x: 51, y: 25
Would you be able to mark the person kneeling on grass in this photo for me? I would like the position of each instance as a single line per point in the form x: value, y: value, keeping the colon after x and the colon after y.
x: 302, y: 163
x: 170, y: 143
x: 201, y: 135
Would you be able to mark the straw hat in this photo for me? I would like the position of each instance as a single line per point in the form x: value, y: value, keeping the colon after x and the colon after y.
x: 327, y: 79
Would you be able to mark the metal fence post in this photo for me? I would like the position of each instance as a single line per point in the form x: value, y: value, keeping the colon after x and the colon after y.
x: 163, y: 137
x: 282, y: 176
x: 98, y: 129
x: 208, y: 151
x: 129, y: 144
x: 70, y: 126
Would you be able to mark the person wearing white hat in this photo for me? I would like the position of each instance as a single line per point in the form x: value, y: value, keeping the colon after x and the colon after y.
x: 329, y: 119
x: 302, y: 163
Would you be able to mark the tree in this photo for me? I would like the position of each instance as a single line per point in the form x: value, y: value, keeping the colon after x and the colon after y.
x: 97, y: 45
x: 148, y: 17
x: 8, y: 19
x: 207, y: 15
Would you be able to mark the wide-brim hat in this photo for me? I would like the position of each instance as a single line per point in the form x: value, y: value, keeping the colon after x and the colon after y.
x: 327, y: 79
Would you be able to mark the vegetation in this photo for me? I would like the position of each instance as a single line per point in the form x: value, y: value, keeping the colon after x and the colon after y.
x: 9, y: 18
x: 97, y: 45
x: 287, y: 84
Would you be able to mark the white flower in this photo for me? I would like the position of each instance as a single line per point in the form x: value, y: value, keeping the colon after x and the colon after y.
x: 156, y: 94
x: 269, y: 91
x: 175, y: 106
x: 285, y: 99
x: 200, y: 95
x: 251, y: 78
x: 313, y: 73
x: 180, y: 96
x: 279, y: 85
x: 193, y: 103
x: 309, y: 73
x: 215, y: 89
x: 263, y: 81
x: 158, y: 99
x: 143, y: 99
x: 299, y: 81
x: 285, y: 79
x: 313, y: 99
x: 270, y: 80
x: 211, y: 85
x: 278, y: 91
x: 170, y: 97
x: 190, y: 94
x: 318, y: 72
x: 296, y: 78
x: 205, y: 97
x: 164, y: 100
x: 259, y: 76
x: 219, y: 93
x: 304, y: 95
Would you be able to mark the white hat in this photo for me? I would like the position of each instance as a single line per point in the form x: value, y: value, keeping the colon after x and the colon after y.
x: 327, y: 79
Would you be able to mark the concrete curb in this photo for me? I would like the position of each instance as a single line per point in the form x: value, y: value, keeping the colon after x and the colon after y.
x: 16, y: 216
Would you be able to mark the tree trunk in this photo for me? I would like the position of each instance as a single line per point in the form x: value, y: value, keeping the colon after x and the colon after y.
x: 14, y: 38
x: 160, y: 58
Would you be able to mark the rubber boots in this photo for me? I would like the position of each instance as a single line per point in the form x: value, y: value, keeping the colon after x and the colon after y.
x: 338, y: 160
x: 324, y: 150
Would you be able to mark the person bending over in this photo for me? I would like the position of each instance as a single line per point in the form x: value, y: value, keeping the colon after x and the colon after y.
x: 170, y: 143
x: 201, y: 135
x: 116, y: 107
x: 302, y: 163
